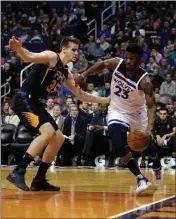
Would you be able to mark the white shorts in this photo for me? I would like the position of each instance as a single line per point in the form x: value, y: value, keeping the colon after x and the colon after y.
x: 132, y: 121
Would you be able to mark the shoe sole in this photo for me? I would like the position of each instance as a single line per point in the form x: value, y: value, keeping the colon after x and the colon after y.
x: 38, y: 190
x: 140, y: 192
x: 15, y: 184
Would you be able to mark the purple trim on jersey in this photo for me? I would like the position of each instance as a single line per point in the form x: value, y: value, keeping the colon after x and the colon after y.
x: 124, y: 79
x: 117, y: 120
x: 24, y: 98
x: 116, y: 127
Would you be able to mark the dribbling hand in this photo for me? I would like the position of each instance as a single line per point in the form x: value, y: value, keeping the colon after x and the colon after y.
x: 15, y: 44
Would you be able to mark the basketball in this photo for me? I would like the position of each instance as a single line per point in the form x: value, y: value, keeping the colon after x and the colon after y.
x: 138, y: 140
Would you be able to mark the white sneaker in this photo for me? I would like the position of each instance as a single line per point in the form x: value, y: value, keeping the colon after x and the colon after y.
x: 142, y: 185
x: 157, y: 176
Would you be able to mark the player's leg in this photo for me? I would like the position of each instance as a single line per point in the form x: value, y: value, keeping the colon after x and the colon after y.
x: 140, y: 121
x: 157, y: 168
x: 33, y: 119
x: 118, y: 135
x: 39, y: 182
x: 17, y: 176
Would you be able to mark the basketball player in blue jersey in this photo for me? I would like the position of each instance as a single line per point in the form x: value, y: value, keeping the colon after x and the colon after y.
x: 49, y: 73
x: 132, y: 107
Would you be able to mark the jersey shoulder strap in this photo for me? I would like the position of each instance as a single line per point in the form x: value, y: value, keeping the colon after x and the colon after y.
x: 119, y: 64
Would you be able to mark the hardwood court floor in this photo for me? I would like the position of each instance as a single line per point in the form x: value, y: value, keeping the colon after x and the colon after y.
x: 89, y: 193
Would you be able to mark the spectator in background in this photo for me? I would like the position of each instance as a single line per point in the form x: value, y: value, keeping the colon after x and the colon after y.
x: 2, y: 63
x: 152, y: 63
x: 5, y: 110
x: 104, y: 78
x: 90, y: 89
x: 24, y: 37
x: 155, y: 78
x: 10, y: 55
x: 105, y: 92
x: 65, y: 111
x: 105, y: 33
x: 170, y: 60
x: 83, y: 109
x: 168, y: 89
x: 95, y: 51
x: 12, y: 118
x: 157, y: 98
x: 75, y: 127
x: 94, y: 110
x: 171, y: 109
x: 97, y: 135
x: 164, y: 68
x: 91, y: 42
x: 110, y: 51
x: 57, y: 117
x: 32, y: 18
x: 165, y: 32
x: 156, y: 54
x: 36, y: 37
x: 103, y: 44
x: 165, y: 134
x: 49, y: 106
x: 81, y: 64
x: 15, y: 69
x: 18, y: 30
x: 6, y: 71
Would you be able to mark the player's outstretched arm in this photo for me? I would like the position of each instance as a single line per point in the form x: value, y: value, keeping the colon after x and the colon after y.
x: 96, y: 68
x: 84, y: 96
x: 45, y: 57
x: 146, y: 86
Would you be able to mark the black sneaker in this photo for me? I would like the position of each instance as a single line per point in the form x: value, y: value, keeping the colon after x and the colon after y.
x: 17, y: 178
x: 43, y: 185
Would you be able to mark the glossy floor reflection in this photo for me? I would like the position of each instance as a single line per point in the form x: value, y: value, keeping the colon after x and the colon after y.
x: 88, y: 194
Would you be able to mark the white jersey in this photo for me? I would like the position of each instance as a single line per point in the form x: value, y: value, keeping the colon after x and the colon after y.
x: 128, y: 104
x: 125, y: 96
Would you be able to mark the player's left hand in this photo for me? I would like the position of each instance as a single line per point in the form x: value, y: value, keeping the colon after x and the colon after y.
x: 15, y: 44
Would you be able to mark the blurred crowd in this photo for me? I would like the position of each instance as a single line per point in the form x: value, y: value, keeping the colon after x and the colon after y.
x: 41, y: 25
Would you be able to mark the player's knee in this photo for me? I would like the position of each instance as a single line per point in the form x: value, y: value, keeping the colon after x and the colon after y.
x: 47, y: 131
x: 126, y: 158
x: 60, y: 136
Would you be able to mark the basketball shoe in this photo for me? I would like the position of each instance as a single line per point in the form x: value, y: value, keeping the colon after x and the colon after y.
x: 43, y: 185
x: 142, y: 185
x: 17, y: 178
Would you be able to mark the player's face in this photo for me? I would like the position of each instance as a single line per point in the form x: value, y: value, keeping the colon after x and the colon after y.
x: 72, y: 51
x: 132, y: 61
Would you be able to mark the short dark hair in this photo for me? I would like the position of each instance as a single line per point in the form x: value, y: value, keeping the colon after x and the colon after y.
x: 163, y: 109
x: 135, y: 48
x: 169, y: 73
x: 67, y: 39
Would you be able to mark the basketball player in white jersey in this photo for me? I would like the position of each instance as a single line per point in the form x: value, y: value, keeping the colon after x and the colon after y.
x: 132, y: 107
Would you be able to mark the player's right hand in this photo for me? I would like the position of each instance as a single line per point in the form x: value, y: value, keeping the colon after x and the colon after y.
x: 15, y: 44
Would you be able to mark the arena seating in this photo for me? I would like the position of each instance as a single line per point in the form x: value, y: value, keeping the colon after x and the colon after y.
x: 14, y: 141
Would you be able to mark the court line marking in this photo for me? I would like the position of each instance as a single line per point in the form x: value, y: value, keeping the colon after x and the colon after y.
x: 144, y: 206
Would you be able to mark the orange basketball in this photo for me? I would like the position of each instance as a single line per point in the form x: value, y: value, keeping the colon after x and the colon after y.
x: 138, y: 140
